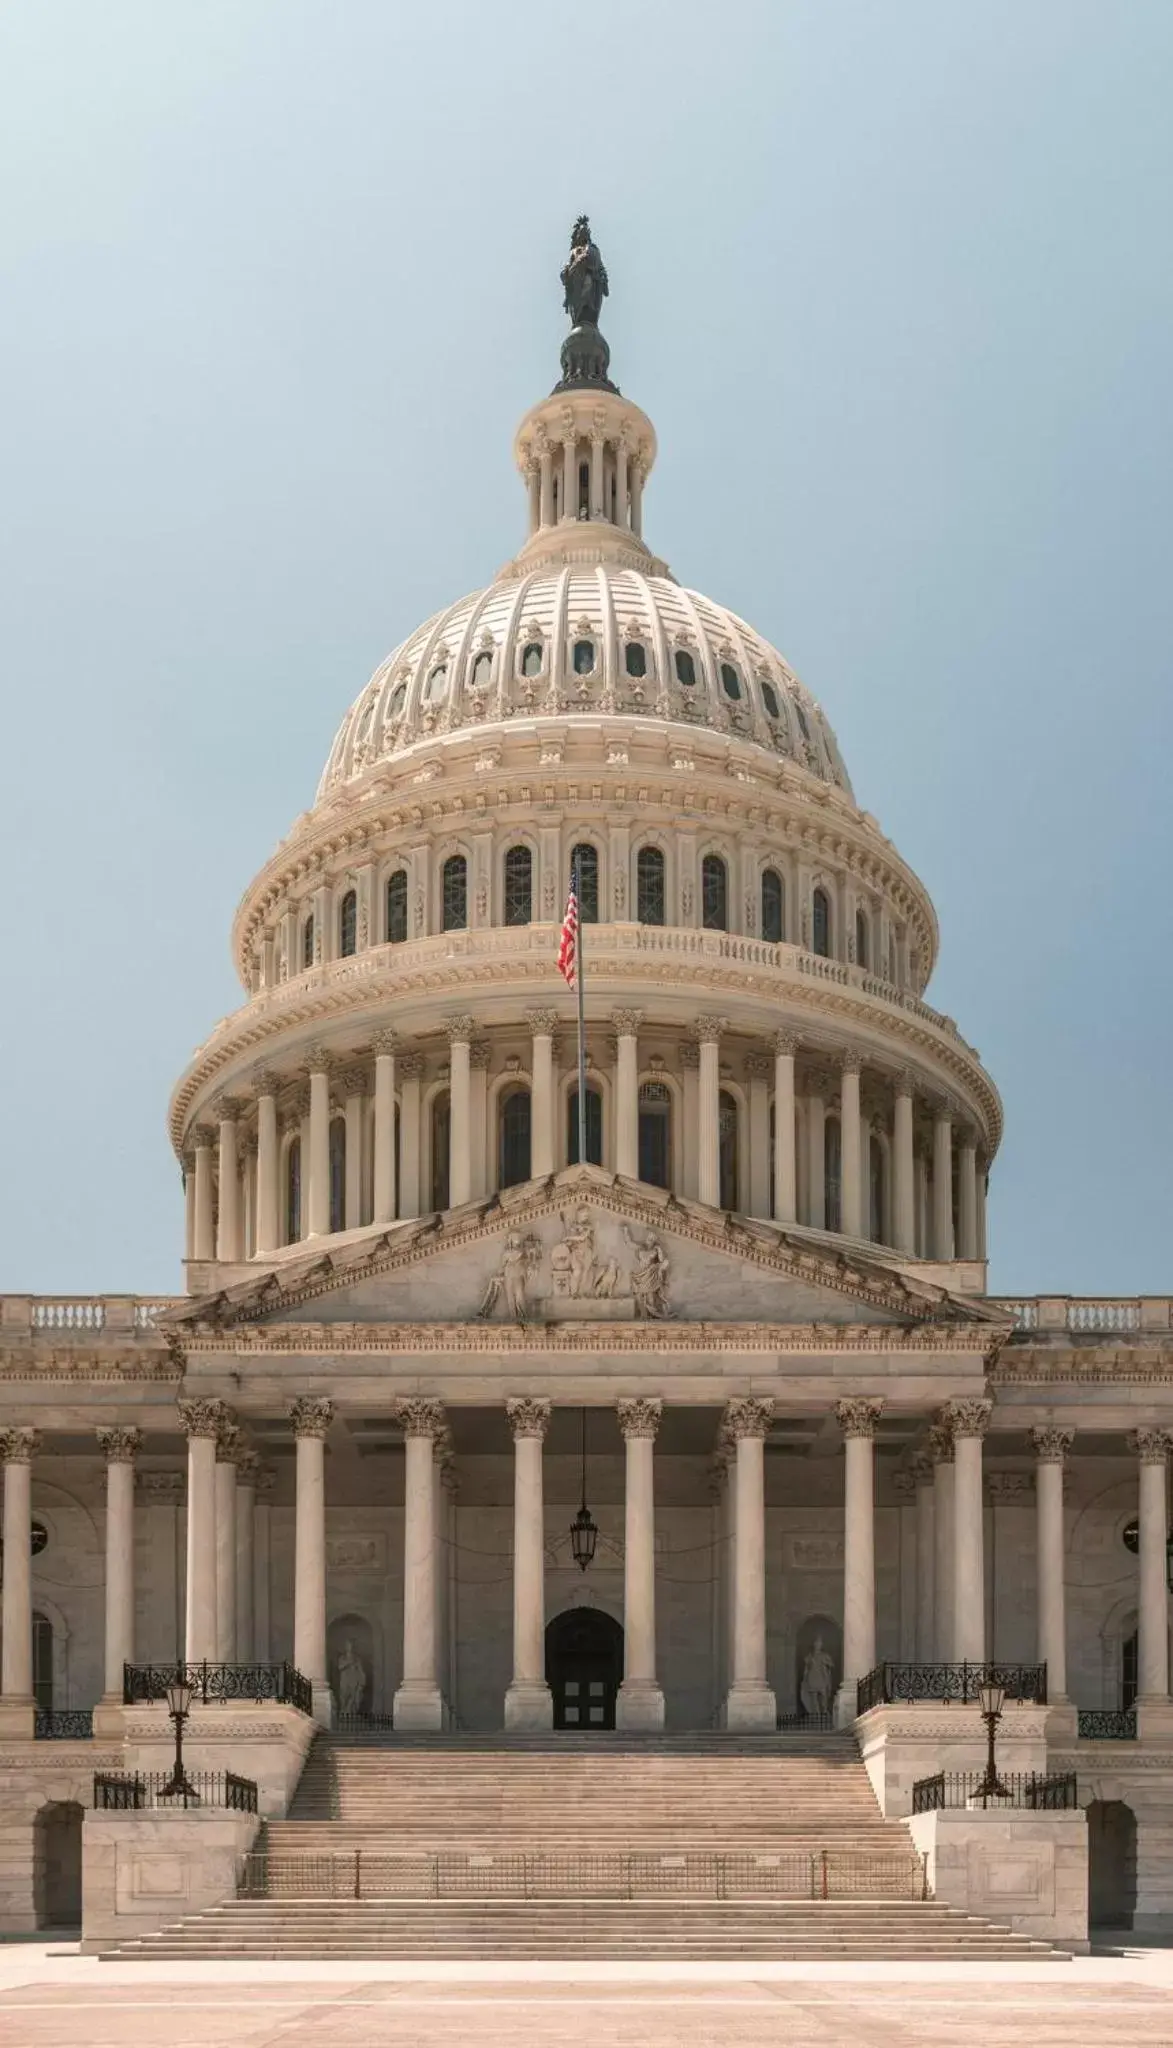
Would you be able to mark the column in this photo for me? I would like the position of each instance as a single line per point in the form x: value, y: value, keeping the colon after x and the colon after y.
x: 542, y: 1024
x: 941, y: 1453
x: 857, y: 1420
x: 354, y: 1090
x: 968, y: 1422
x: 785, y: 1164
x: 268, y: 1166
x: 528, y: 1703
x: 411, y: 1067
x: 479, y: 1057
x: 227, y: 1446
x: 816, y: 1156
x: 533, y: 484
x: 1051, y: 1447
x: 903, y: 1193
x: 637, y: 498
x: 1151, y: 1446
x: 641, y: 1702
x: 262, y: 1561
x: 459, y: 1031
x: 18, y: 1447
x: 708, y: 1035
x: 205, y: 1235
x: 228, y: 1213
x: 189, y: 1205
x: 311, y: 1418
x: 758, y: 1069
x: 750, y: 1701
x: 596, y: 476
x: 443, y: 1481
x: 621, y: 497
x: 569, y: 478
x: 967, y: 1231
x: 923, y: 1472
x: 201, y: 1420
x: 384, y: 1161
x: 687, y: 1131
x: 319, y: 1147
x: 546, y: 483
x: 627, y: 1023
x: 850, y: 1144
x: 980, y: 1207
x: 247, y: 1468
x: 418, y: 1702
x: 120, y: 1447
x: 942, y: 1185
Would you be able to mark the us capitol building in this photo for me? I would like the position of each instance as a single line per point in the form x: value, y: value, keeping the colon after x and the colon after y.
x: 695, y: 1432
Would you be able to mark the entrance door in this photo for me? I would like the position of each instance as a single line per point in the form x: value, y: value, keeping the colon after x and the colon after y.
x: 584, y: 1667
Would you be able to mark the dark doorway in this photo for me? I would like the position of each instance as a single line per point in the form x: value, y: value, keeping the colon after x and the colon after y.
x: 1128, y: 1670
x: 584, y: 1667
x: 1111, y: 1863
x: 57, y: 1865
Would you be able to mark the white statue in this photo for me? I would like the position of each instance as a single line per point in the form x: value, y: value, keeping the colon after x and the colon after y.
x: 587, y: 1277
x: 352, y: 1680
x: 818, y: 1681
x: 649, y: 1275
x: 510, y: 1283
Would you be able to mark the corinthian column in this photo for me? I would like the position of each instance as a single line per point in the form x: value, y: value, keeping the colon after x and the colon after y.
x: 384, y: 1162
x: 121, y: 1447
x: 850, y: 1151
x: 542, y: 1024
x: 311, y: 1418
x: 750, y: 1702
x: 528, y: 1703
x: 627, y: 1023
x: 785, y: 1162
x: 708, y: 1034
x: 228, y: 1215
x: 1051, y: 1447
x: 202, y: 1421
x: 18, y: 1447
x: 459, y: 1031
x: 857, y: 1420
x: 943, y: 1184
x: 268, y: 1166
x: 968, y: 1421
x: 903, y: 1188
x: 941, y: 1453
x: 641, y: 1702
x: 204, y: 1227
x: 319, y: 1146
x: 758, y: 1070
x: 227, y: 1446
x: 418, y: 1702
x: 1152, y: 1450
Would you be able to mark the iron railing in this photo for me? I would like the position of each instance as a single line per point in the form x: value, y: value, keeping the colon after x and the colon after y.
x: 1055, y: 1793
x: 215, y: 1684
x: 1106, y: 1724
x: 63, y: 1724
x: 789, y: 1874
x: 363, y: 1724
x: 118, y: 1791
x: 949, y: 1684
x: 806, y: 1724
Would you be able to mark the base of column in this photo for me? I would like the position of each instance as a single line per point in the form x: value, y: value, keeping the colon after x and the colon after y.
x: 846, y: 1704
x: 1154, y: 1717
x: 639, y: 1704
x: 529, y: 1707
x: 16, y: 1718
x: 1060, y: 1729
x: 752, y: 1709
x: 110, y: 1718
x: 418, y: 1706
x: 323, y: 1707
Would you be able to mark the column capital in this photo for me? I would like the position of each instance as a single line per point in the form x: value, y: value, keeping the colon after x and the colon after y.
x: 248, y: 1467
x: 311, y: 1415
x: 758, y: 1066
x: 227, y: 1440
x: 528, y: 1417
x: 164, y: 1489
x: 480, y: 1053
x: 384, y: 1045
x: 747, y: 1416
x: 543, y: 1023
x: 1051, y: 1445
x: 1151, y: 1444
x: 786, y: 1043
x: 921, y: 1467
x: 850, y: 1062
x: 458, y: 1030
x: 353, y: 1081
x: 317, y: 1060
x: 264, y: 1081
x: 120, y: 1446
x: 419, y: 1417
x: 202, y: 1418
x: 969, y: 1418
x: 690, y: 1058
x: 639, y: 1417
x: 904, y: 1481
x: 940, y: 1442
x: 904, y: 1082
x: 627, y: 1022
x: 858, y: 1417
x: 19, y: 1446
x: 204, y: 1137
x: 227, y: 1108
x: 411, y: 1066
x: 708, y: 1030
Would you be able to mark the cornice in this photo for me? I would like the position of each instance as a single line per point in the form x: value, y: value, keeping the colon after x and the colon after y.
x: 72, y: 1367
x: 1140, y: 1362
x: 319, y: 1340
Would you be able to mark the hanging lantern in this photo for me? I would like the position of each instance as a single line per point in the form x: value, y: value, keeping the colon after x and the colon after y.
x: 584, y: 1533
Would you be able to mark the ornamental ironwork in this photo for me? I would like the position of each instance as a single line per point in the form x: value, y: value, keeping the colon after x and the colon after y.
x: 63, y: 1724
x: 1106, y: 1724
x: 219, y: 1684
x: 949, y: 1684
x: 124, y: 1791
x: 1053, y: 1793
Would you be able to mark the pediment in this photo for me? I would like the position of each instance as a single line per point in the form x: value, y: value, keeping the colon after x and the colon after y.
x: 583, y: 1247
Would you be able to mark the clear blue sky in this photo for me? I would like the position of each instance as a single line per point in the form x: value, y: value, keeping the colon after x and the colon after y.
x: 892, y: 277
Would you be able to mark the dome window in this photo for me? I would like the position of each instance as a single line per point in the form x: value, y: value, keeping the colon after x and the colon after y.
x: 770, y: 700
x: 338, y: 1174
x: 655, y: 1134
x: 398, y: 700
x: 531, y: 659
x: 594, y: 1127
x: 307, y: 941
x: 397, y: 907
x: 649, y: 886
x: 584, y: 859
x: 730, y: 680
x: 635, y: 658
x: 482, y: 672
x: 519, y: 867
x: 821, y: 923
x: 800, y: 714
x: 584, y: 657
x: 861, y: 938
x: 773, y: 907
x: 436, y: 683
x: 685, y: 668
x: 514, y: 1139
x: 454, y: 893
x: 714, y: 893
x: 348, y: 925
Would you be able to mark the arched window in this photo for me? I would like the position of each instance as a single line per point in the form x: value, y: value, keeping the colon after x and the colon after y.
x: 441, y: 1122
x: 348, y: 925
x: 650, y: 893
x: 584, y: 490
x: 584, y: 657
x: 397, y: 907
x: 861, y: 938
x: 727, y: 1149
x: 730, y: 680
x: 436, y: 683
x: 773, y: 907
x: 519, y: 868
x: 585, y: 859
x: 43, y: 1663
x: 531, y: 659
x: 635, y: 658
x: 337, y: 1174
x: 454, y: 893
x: 293, y: 1192
x: 821, y: 923
x: 832, y: 1174
x: 655, y: 1134
x: 398, y: 700
x: 594, y: 1127
x: 307, y: 941
x: 876, y: 1190
x: 481, y: 673
x: 770, y: 700
x: 513, y: 1138
x: 714, y: 894
x: 685, y: 668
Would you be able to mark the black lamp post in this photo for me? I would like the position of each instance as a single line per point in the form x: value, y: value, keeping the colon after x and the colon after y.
x: 993, y: 1699
x: 584, y: 1534
x: 179, y: 1785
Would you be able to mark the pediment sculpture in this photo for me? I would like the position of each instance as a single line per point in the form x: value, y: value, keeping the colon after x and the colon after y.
x: 574, y: 1279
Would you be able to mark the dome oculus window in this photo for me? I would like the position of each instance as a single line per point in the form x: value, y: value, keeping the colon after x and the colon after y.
x: 531, y: 659
x: 770, y: 700
x: 730, y: 680
x: 685, y: 668
x: 436, y: 683
x: 583, y: 657
x: 635, y: 658
x: 482, y: 672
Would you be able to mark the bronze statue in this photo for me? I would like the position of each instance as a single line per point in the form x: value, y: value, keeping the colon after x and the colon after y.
x: 584, y: 278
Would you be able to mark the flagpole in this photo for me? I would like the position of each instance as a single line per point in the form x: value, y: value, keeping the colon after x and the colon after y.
x: 578, y: 978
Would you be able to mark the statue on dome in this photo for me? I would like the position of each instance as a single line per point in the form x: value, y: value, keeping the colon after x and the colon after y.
x: 584, y: 277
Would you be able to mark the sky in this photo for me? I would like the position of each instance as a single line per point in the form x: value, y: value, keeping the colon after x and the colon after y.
x: 891, y: 277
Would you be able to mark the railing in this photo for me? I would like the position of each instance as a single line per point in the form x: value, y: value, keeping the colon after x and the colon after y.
x: 63, y: 1724
x: 1094, y: 1315
x: 1027, y: 1789
x: 1106, y: 1724
x: 949, y: 1684
x: 806, y: 1724
x: 82, y: 1315
x: 363, y: 1724
x: 218, y: 1684
x: 122, y: 1791
x: 793, y: 1874
x: 68, y: 1315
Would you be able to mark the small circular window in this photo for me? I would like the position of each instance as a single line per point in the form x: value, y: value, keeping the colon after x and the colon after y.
x: 635, y: 658
x: 1130, y: 1537
x: 436, y: 682
x: 584, y: 657
x: 39, y: 1537
x: 770, y: 700
x: 531, y: 659
x: 730, y: 680
x: 685, y: 668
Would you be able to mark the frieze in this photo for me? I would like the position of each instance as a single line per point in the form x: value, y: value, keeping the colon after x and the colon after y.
x: 321, y: 1340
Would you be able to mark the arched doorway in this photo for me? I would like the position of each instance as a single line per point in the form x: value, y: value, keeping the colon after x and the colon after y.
x: 1111, y: 1863
x: 584, y: 1667
x: 57, y: 1865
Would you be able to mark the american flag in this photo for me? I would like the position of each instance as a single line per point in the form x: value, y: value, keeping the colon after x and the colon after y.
x: 568, y: 939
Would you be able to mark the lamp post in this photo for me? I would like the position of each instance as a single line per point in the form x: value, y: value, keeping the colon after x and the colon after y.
x: 993, y: 1699
x: 179, y: 1785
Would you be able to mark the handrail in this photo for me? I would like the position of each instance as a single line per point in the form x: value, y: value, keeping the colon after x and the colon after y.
x: 949, y: 1684
x: 219, y: 1684
x: 131, y: 1791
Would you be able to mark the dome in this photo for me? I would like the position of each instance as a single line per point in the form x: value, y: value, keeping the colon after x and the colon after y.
x: 583, y: 640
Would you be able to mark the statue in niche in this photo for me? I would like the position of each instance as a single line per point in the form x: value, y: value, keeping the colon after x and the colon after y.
x: 649, y: 1275
x: 576, y: 1268
x: 584, y: 279
x: 352, y: 1680
x: 510, y: 1283
x: 817, y: 1689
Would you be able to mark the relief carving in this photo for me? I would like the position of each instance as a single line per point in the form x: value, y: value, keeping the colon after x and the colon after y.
x: 583, y: 1280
